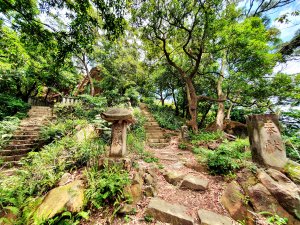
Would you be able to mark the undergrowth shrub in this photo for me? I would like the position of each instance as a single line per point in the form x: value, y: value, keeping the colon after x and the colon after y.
x: 60, y: 128
x: 106, y: 186
x: 7, y: 127
x: 205, y: 137
x: 228, y: 157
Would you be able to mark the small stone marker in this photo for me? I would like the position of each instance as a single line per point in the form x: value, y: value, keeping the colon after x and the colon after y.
x: 184, y: 133
x: 265, y: 140
x: 120, y: 118
x: 211, y: 218
x: 168, y: 213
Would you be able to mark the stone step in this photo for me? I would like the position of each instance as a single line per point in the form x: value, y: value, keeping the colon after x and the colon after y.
x: 149, y: 130
x: 20, y: 142
x: 12, y: 157
x: 10, y: 164
x: 26, y: 132
x: 25, y: 137
x: 158, y: 145
x: 151, y: 123
x: 21, y: 146
x: 157, y: 140
x: 152, y: 127
x: 15, y: 152
x: 155, y: 135
x: 168, y: 212
x: 29, y: 128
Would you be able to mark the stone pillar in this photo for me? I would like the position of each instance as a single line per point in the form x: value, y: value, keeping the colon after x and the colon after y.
x: 184, y: 133
x: 118, y: 139
x: 266, y: 144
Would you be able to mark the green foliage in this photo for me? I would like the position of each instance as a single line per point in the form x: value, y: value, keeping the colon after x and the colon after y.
x: 165, y: 116
x: 228, y: 157
x: 12, y: 106
x: 87, y: 108
x: 106, y: 186
x: 274, y: 218
x: 137, y: 135
x: 60, y: 128
x: 42, y: 170
x: 182, y: 146
x: 67, y: 218
x: 204, y: 137
x: 7, y: 127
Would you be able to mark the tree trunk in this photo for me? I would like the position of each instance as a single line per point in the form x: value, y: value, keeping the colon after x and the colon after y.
x: 201, y: 123
x: 175, y: 103
x: 229, y: 111
x: 221, y: 107
x: 192, y: 103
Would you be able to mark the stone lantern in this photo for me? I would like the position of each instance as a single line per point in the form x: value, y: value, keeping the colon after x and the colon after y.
x: 120, y: 118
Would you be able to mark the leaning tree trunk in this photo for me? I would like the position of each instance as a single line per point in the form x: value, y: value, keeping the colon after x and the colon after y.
x: 192, y: 104
x: 229, y: 111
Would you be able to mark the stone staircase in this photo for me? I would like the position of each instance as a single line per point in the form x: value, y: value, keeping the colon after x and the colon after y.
x: 154, y: 133
x: 26, y: 137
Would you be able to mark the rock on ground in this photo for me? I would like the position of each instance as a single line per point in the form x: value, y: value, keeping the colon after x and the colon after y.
x: 194, y: 183
x: 233, y: 200
x: 211, y: 218
x: 283, y: 189
x: 168, y: 213
x: 69, y: 197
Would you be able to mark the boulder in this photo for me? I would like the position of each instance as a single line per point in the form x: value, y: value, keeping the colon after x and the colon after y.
x: 194, y: 183
x: 211, y: 218
x: 292, y: 169
x: 233, y: 201
x: 283, y: 189
x: 263, y: 201
x: 173, y: 177
x: 235, y: 128
x: 168, y: 213
x: 69, y: 197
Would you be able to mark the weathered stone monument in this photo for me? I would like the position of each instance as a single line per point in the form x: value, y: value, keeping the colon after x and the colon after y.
x: 120, y: 118
x: 265, y: 140
x: 184, y: 133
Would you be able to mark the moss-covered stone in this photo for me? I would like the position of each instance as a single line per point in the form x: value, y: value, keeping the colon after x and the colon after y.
x: 69, y: 197
x: 292, y: 170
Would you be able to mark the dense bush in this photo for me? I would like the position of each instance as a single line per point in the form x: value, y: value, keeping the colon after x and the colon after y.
x: 11, y: 106
x: 165, y: 116
x: 228, y: 157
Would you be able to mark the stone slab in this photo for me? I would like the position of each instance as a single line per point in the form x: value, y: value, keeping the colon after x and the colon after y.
x: 194, y: 183
x: 168, y: 213
x: 211, y: 218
